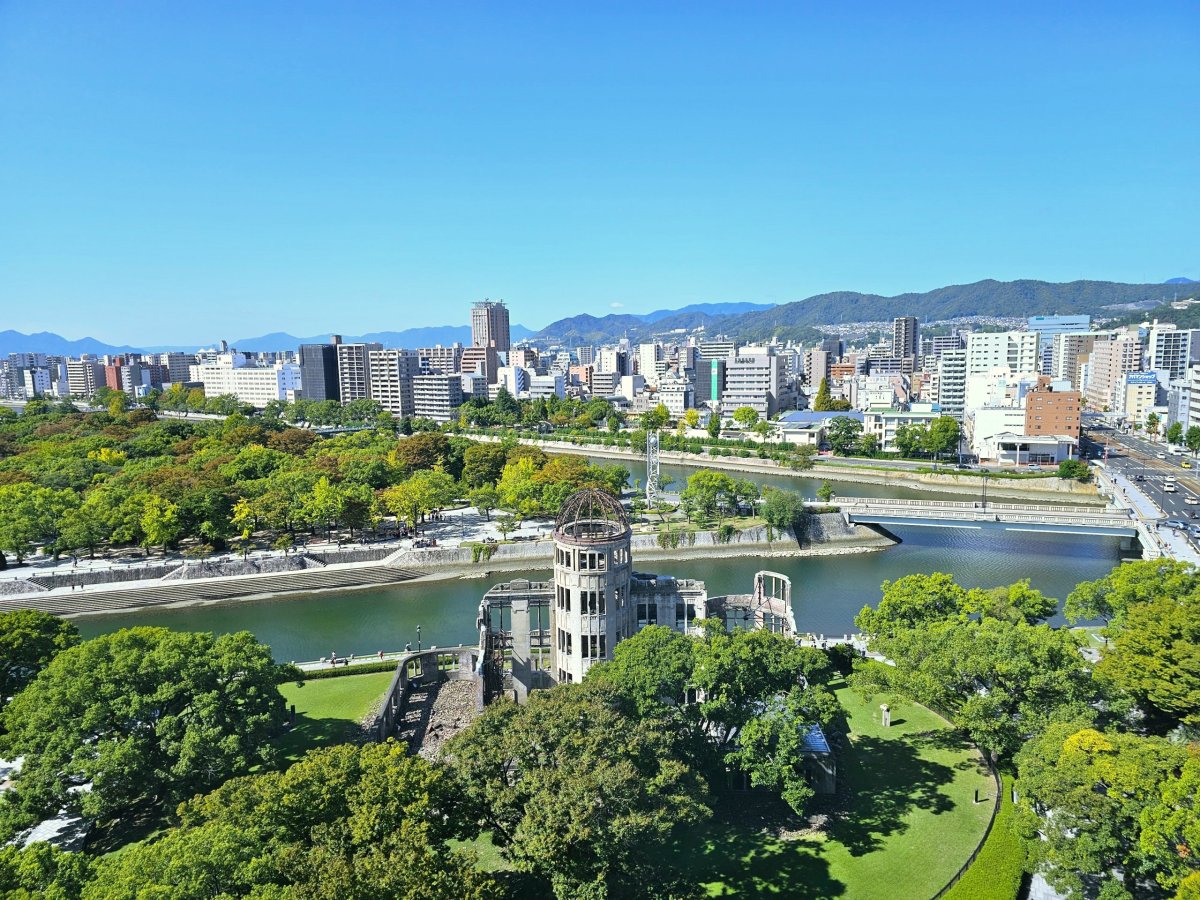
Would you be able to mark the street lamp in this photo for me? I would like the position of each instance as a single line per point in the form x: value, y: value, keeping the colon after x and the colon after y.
x: 418, y: 638
x: 985, y: 478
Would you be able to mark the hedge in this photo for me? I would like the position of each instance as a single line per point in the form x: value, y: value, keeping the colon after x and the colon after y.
x: 999, y: 868
x: 360, y: 669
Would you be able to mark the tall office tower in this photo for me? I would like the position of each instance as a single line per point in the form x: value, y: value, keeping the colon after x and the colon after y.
x: 489, y: 325
x: 354, y: 371
x: 941, y: 343
x: 1171, y: 349
x: 905, y: 340
x: 1069, y: 352
x: 816, y: 368
x: 585, y: 355
x: 717, y: 349
x: 318, y: 372
x: 1047, y: 328
x: 85, y: 376
x: 1014, y: 350
x: 952, y: 383
x: 391, y: 383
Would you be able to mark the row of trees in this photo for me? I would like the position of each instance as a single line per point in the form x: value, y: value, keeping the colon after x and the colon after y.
x: 78, y: 482
x: 1105, y: 753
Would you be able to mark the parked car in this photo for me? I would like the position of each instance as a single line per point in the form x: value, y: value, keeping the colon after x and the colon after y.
x: 1035, y: 468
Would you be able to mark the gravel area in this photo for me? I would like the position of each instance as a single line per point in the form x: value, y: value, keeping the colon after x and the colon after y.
x: 453, y: 710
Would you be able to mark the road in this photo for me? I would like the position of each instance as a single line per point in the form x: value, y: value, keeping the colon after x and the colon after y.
x: 1138, y: 460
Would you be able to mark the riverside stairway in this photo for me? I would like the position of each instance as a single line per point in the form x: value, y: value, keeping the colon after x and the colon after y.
x: 98, y: 599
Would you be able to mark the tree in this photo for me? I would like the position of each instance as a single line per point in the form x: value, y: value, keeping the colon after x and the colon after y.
x: 42, y: 871
x: 29, y: 640
x: 913, y: 601
x: 714, y: 425
x: 691, y: 417
x: 746, y: 416
x: 1074, y: 470
x: 656, y: 418
x: 782, y: 509
x: 802, y: 457
x: 1154, y: 656
x: 1130, y: 583
x: 868, y: 444
x: 1083, y: 795
x: 30, y: 513
x: 825, y: 491
x: 1152, y: 421
x: 942, y: 436
x: 422, y: 451
x: 1170, y: 825
x: 483, y: 464
x: 485, y: 498
x: 1192, y: 438
x: 420, y: 495
x: 575, y: 790
x: 822, y: 400
x: 707, y: 494
x: 911, y: 438
x: 1175, y: 433
x: 342, y: 822
x: 519, y: 490
x: 1018, y: 602
x: 148, y: 716
x: 844, y: 434
x: 506, y: 525
x: 160, y: 523
x: 653, y: 669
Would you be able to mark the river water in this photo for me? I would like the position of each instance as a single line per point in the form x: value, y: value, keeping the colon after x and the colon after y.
x: 827, y: 591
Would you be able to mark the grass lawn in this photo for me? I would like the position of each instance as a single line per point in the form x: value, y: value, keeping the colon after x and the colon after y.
x: 902, y: 823
x: 328, y: 710
x: 997, y: 872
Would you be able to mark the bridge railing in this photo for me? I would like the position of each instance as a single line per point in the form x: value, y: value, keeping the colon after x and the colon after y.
x: 953, y: 504
x: 1115, y: 520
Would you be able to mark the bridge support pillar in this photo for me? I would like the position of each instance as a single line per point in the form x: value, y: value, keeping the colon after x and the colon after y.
x: 1126, y: 544
x: 521, y: 663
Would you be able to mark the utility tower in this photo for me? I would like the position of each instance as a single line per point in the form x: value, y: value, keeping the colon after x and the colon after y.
x: 652, y: 480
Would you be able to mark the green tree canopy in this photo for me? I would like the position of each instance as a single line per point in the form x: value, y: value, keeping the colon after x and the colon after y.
x: 29, y: 640
x: 148, y: 716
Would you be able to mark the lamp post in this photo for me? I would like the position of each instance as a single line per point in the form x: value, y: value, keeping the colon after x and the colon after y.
x: 418, y: 638
x: 985, y: 478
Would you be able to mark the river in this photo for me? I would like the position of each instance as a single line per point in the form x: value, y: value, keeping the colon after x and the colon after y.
x: 827, y: 591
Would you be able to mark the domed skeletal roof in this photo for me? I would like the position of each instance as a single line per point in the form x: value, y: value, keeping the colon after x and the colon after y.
x: 592, y: 513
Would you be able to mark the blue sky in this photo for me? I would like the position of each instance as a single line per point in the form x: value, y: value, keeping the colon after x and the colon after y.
x: 175, y: 173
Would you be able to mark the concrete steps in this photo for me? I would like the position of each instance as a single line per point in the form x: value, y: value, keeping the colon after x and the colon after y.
x: 97, y: 600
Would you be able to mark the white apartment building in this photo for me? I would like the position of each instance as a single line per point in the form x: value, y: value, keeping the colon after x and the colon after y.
x: 949, y: 391
x: 230, y: 373
x: 84, y: 376
x: 677, y: 394
x: 354, y: 370
x: 546, y: 386
x: 650, y: 358
x: 613, y: 360
x: 437, y: 396
x: 1171, y: 349
x: 1015, y: 350
x: 883, y: 421
x: 1069, y: 353
x: 391, y: 377
x: 439, y: 360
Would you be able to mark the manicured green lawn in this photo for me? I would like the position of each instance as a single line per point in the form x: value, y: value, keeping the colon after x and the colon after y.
x: 328, y: 710
x: 997, y: 872
x: 902, y: 823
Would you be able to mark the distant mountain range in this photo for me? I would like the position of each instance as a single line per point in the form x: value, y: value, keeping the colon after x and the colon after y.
x: 747, y: 321
x: 796, y: 320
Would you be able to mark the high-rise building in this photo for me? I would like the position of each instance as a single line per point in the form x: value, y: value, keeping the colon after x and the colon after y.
x: 1109, y: 363
x: 437, y: 396
x: 439, y: 360
x: 232, y: 373
x: 649, y: 357
x: 1047, y: 328
x: 951, y: 388
x: 489, y: 325
x: 318, y: 372
x: 84, y: 376
x: 480, y: 360
x: 755, y: 377
x: 612, y: 360
x: 1070, y: 352
x: 1172, y: 350
x: 1014, y: 350
x: 585, y: 355
x: 833, y: 345
x: 391, y: 383
x: 354, y: 370
x: 905, y: 336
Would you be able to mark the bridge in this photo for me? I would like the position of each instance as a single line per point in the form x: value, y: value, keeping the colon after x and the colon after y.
x: 1048, y: 518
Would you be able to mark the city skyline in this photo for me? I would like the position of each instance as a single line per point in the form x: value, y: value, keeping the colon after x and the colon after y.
x: 266, y: 167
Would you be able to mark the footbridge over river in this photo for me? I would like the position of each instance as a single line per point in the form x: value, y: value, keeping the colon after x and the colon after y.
x: 1106, y: 521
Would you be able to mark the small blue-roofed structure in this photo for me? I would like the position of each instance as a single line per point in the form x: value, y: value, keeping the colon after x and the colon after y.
x: 820, y: 765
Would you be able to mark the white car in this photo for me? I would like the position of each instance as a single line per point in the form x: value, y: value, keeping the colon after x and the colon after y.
x: 1191, y: 501
x: 1161, y: 455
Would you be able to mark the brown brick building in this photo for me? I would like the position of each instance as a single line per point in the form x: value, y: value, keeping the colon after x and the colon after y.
x: 1052, y: 412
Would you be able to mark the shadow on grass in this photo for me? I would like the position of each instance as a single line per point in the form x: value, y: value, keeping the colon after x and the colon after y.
x: 310, y: 733
x: 738, y: 861
x: 880, y: 782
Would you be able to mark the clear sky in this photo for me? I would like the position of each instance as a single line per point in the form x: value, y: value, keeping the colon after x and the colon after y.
x: 180, y: 172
